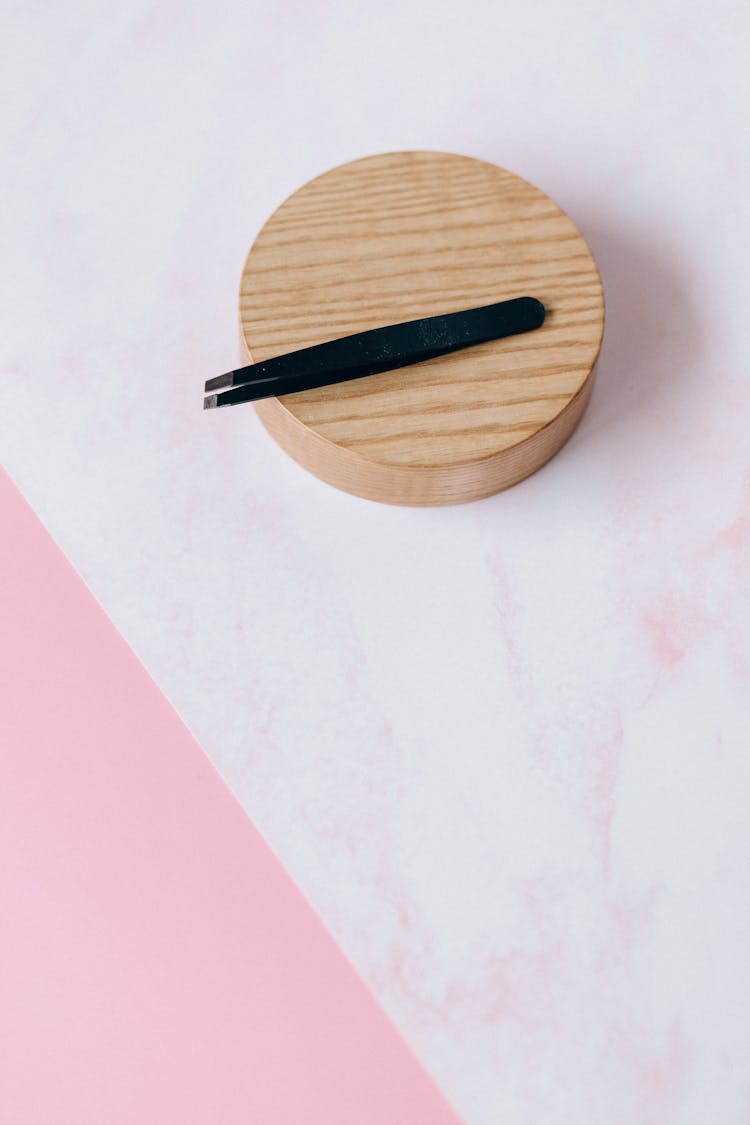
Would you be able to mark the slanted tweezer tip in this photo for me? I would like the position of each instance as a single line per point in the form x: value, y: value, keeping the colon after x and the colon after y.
x: 220, y: 381
x: 210, y: 402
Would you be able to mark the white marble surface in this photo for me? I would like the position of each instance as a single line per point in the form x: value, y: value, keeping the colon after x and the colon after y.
x: 504, y: 748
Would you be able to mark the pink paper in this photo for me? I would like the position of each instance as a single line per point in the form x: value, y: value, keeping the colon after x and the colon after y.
x: 156, y: 963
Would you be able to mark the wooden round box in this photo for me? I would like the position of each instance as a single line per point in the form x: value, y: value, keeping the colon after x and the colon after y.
x: 404, y: 235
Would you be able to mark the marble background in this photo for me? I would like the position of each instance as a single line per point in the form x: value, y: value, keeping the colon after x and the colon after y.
x: 504, y: 749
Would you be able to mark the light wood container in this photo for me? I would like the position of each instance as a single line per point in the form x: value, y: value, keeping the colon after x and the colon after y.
x: 404, y: 235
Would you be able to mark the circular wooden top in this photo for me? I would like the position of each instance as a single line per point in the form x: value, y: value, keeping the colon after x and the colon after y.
x: 403, y: 235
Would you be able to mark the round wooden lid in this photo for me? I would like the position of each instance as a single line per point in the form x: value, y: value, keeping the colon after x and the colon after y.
x: 403, y: 235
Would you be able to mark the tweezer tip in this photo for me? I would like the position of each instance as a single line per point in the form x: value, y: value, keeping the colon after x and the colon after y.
x: 210, y: 402
x: 220, y: 381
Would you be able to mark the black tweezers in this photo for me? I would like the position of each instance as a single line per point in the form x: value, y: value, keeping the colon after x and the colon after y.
x: 379, y: 349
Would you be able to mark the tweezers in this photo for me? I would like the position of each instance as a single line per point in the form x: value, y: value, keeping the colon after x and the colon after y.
x: 373, y: 351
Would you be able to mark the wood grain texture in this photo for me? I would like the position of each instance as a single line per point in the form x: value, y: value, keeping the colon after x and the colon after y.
x: 404, y: 235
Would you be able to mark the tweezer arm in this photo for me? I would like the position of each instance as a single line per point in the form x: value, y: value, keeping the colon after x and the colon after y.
x: 379, y: 349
